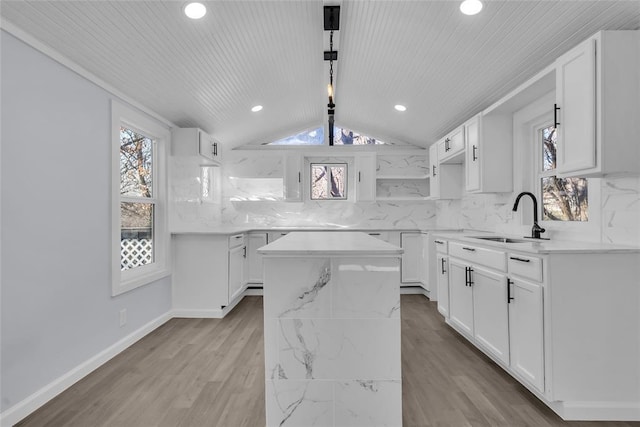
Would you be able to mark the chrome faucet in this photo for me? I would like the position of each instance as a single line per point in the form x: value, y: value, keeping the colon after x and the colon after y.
x: 536, y: 229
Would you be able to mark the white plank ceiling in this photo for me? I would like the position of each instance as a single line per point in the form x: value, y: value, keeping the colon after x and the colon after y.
x: 444, y: 66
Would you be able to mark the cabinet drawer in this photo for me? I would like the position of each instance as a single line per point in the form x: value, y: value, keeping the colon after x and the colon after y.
x: 441, y: 245
x: 272, y: 236
x: 525, y: 266
x: 488, y: 257
x: 236, y: 240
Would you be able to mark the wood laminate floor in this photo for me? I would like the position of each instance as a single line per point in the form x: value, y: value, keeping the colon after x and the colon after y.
x: 210, y: 372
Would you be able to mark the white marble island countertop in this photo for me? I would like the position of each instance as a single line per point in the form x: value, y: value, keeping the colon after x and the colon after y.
x: 343, y: 243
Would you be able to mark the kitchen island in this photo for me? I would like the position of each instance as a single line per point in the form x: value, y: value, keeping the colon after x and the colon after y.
x: 332, y: 330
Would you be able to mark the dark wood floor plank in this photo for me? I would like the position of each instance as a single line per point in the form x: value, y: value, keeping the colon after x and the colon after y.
x: 210, y: 372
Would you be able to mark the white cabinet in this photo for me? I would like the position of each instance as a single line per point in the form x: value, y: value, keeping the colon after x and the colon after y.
x: 598, y: 105
x: 451, y: 147
x: 490, y: 312
x: 445, y: 180
x: 254, y: 259
x: 237, y: 258
x: 442, y: 282
x: 293, y: 177
x: 194, y: 141
x: 365, y: 177
x: 526, y: 331
x: 412, y: 260
x: 489, y: 153
x: 460, y: 297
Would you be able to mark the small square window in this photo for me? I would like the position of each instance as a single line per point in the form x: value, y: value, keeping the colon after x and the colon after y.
x: 328, y: 181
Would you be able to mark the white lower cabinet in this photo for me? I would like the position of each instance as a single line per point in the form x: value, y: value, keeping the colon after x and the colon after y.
x: 237, y: 257
x: 490, y: 311
x: 254, y: 259
x: 442, y: 281
x: 526, y: 332
x: 411, y: 258
x: 460, y: 297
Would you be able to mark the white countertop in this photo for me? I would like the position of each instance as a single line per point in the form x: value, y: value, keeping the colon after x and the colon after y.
x: 329, y: 243
x: 536, y: 246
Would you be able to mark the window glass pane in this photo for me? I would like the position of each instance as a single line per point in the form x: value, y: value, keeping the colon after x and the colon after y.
x: 343, y: 136
x: 310, y: 137
x: 549, y: 148
x: 564, y: 199
x: 136, y: 158
x: 136, y: 235
x: 328, y: 182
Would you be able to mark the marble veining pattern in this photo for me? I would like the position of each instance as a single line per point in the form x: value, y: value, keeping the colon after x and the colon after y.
x: 332, y: 341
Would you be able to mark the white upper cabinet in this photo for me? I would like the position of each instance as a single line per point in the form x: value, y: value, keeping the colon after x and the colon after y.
x: 193, y: 142
x: 365, y: 177
x: 598, y: 106
x: 489, y: 154
x: 451, y: 147
x: 293, y: 177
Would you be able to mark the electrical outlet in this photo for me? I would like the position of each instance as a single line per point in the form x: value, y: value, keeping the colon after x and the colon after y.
x: 123, y: 317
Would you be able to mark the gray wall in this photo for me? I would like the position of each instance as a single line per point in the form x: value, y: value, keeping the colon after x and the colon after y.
x: 57, y: 309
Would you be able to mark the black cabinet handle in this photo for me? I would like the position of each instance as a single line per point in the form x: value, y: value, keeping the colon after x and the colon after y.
x: 509, y: 297
x: 555, y: 115
x: 433, y: 170
x: 237, y: 237
x: 215, y: 148
x: 439, y: 242
x: 468, y: 249
x: 299, y: 177
x: 446, y: 144
x: 374, y: 234
x: 359, y: 176
x: 244, y: 254
x: 515, y: 258
x: 468, y: 277
x: 442, y: 262
x: 474, y: 153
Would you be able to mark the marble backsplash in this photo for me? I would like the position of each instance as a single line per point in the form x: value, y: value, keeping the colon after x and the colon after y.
x: 617, y: 214
x: 248, y: 191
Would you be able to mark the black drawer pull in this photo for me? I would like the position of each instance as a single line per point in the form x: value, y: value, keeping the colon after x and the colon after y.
x: 442, y: 261
x: 439, y: 242
x: 237, y: 237
x: 515, y: 258
x: 468, y: 249
x: 374, y: 234
x: 509, y: 297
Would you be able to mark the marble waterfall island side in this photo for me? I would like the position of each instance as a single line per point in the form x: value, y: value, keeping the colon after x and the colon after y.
x: 332, y: 330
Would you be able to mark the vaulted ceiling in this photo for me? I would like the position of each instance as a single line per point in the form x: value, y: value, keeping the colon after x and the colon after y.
x: 444, y: 66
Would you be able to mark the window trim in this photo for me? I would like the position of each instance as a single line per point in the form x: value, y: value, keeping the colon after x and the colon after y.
x: 121, y: 282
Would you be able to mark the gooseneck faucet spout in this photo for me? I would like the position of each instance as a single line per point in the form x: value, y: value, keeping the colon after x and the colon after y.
x: 536, y: 229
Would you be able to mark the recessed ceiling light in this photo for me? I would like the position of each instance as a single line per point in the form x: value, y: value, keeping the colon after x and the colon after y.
x: 400, y: 107
x: 471, y: 7
x: 256, y: 108
x: 195, y: 10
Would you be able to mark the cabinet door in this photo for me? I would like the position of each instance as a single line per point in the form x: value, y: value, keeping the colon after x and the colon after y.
x: 209, y: 147
x: 366, y: 177
x: 472, y: 162
x: 411, y: 258
x: 442, y: 280
x: 576, y: 98
x: 460, y: 297
x: 434, y: 180
x: 255, y: 262
x: 293, y: 177
x: 236, y: 271
x: 451, y: 146
x: 490, y: 312
x: 526, y: 332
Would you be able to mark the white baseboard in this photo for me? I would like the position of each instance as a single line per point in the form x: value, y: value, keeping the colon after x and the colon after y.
x: 597, y: 411
x: 197, y: 314
x: 27, y: 406
x: 414, y: 290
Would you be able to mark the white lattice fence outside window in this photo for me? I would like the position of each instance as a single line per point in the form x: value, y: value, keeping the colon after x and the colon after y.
x: 135, y: 252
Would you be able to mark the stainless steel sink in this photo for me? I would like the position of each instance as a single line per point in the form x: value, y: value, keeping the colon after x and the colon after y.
x: 500, y: 239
